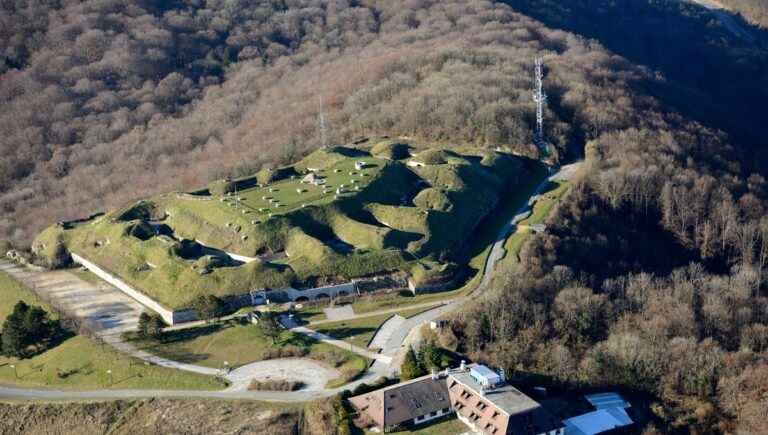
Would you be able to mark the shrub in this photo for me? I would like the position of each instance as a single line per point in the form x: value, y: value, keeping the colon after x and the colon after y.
x: 289, y: 351
x: 391, y: 150
x: 222, y: 187
x: 276, y: 385
x: 50, y: 249
x: 150, y: 325
x: 268, y: 176
x: 270, y: 327
x: 432, y: 157
x: 411, y: 367
x: 209, y: 307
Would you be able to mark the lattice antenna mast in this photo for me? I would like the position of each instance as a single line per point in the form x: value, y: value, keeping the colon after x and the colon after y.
x: 323, y: 123
x: 540, y: 98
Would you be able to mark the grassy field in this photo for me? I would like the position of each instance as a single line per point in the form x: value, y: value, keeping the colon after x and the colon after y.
x: 514, y: 244
x: 443, y: 426
x: 289, y: 195
x: 359, y: 332
x: 239, y: 344
x: 11, y: 292
x: 541, y: 210
x: 404, y: 299
x: 545, y: 203
x: 79, y: 362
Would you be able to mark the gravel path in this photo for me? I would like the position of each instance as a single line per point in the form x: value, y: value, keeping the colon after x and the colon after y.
x: 344, y: 312
x: 312, y: 374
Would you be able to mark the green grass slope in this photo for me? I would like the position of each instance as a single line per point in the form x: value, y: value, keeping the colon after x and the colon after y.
x: 340, y: 213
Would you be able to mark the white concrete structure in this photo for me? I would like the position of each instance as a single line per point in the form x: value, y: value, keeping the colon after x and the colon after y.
x: 169, y: 316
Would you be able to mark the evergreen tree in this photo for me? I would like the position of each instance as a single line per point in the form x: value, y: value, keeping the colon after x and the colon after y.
x: 155, y: 326
x: 270, y: 326
x: 14, y: 337
x: 411, y: 368
x: 144, y: 320
x: 36, y: 325
x: 430, y: 356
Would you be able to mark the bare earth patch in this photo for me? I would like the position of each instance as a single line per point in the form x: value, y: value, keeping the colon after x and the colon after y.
x: 312, y: 374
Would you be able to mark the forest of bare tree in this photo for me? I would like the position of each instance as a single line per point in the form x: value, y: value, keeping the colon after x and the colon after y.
x: 652, y: 274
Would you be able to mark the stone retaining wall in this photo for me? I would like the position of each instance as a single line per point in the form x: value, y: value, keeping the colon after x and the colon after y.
x: 169, y: 316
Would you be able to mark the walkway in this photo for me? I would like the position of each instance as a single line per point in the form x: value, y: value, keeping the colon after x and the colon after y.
x: 380, y: 312
x: 291, y: 324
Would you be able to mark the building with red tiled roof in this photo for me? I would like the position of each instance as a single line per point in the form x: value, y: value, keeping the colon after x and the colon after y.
x: 481, y: 398
x: 412, y: 402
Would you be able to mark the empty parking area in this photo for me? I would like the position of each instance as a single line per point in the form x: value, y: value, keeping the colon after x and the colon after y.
x: 107, y: 310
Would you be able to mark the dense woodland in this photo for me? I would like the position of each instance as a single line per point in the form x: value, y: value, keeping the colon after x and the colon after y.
x: 651, y: 276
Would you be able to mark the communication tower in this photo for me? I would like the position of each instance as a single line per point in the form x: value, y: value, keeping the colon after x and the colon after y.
x: 541, y: 99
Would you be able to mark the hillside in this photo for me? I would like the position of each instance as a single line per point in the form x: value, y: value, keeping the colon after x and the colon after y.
x: 335, y: 215
x: 162, y: 416
x: 650, y: 276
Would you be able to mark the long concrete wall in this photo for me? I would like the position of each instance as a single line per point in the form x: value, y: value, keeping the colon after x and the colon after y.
x: 174, y: 317
x: 166, y: 314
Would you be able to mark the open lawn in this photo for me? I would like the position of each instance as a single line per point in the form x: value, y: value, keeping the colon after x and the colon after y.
x: 539, y: 214
x: 289, y: 194
x: 239, y: 344
x: 547, y: 200
x: 402, y: 299
x: 514, y: 244
x: 359, y: 332
x: 448, y: 425
x: 79, y: 362
x: 11, y: 292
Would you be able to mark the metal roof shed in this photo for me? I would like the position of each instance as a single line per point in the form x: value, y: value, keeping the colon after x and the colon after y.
x: 596, y: 422
x: 485, y: 376
x: 607, y: 400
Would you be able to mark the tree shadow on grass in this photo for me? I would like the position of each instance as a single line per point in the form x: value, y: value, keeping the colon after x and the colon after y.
x: 170, y: 344
x: 346, y: 332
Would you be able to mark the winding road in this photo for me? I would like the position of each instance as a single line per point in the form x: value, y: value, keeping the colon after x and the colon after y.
x: 385, y: 363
